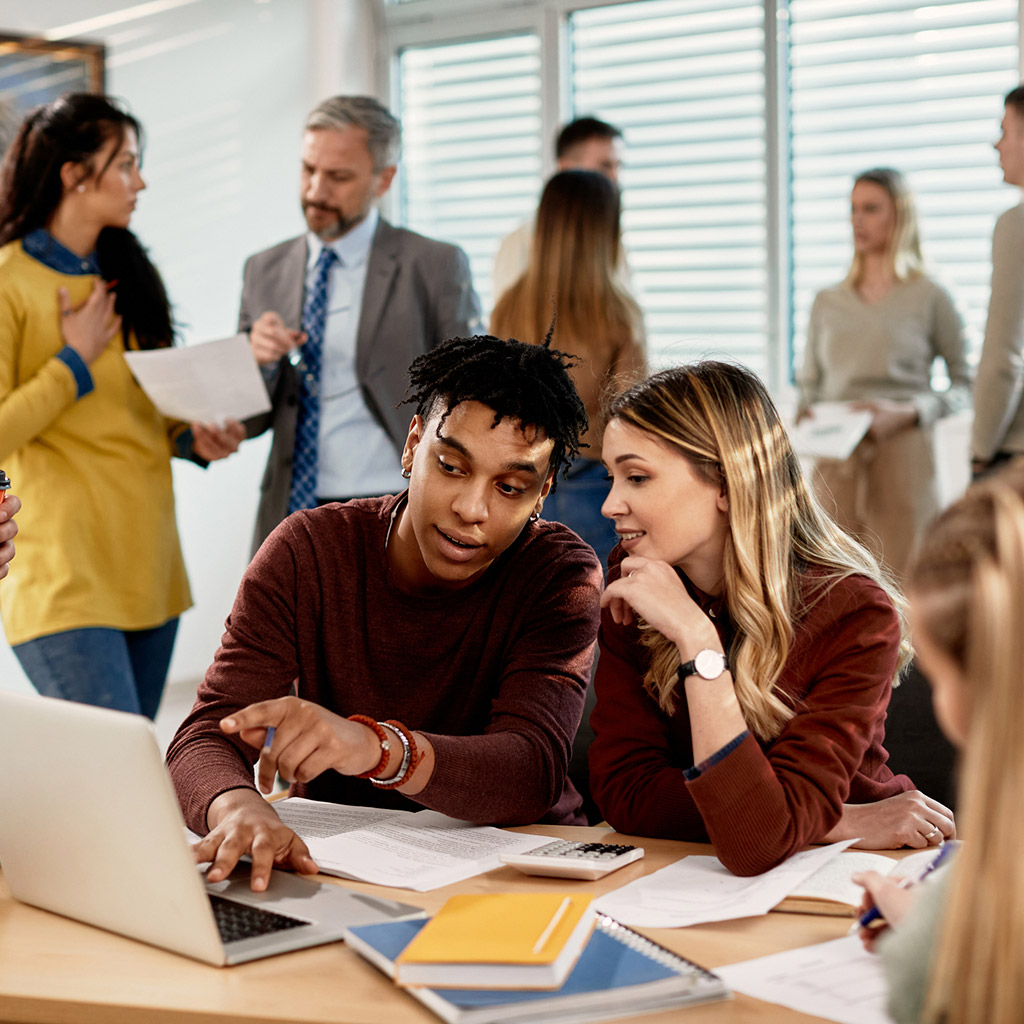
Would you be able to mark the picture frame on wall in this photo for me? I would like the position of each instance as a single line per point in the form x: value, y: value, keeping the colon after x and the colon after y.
x: 34, y: 71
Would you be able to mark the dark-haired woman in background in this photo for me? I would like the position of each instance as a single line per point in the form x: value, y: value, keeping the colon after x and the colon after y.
x: 871, y: 341
x: 93, y: 610
x: 572, y: 274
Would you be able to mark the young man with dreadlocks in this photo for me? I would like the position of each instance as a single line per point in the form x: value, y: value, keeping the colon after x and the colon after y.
x: 429, y: 649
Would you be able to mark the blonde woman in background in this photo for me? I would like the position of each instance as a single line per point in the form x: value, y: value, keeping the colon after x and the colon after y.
x: 954, y: 947
x: 748, y: 645
x: 572, y: 275
x: 871, y: 341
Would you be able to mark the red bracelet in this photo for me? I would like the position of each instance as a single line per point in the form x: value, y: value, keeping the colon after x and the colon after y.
x: 385, y: 745
x: 415, y: 756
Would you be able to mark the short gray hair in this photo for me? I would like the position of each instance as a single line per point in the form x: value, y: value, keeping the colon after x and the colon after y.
x: 383, y: 131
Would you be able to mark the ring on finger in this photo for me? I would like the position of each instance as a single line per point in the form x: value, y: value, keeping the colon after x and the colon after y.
x: 929, y: 835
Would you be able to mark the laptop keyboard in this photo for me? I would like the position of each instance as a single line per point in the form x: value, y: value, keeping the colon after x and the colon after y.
x: 237, y: 921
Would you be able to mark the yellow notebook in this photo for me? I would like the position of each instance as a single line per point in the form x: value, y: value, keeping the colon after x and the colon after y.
x: 499, y: 940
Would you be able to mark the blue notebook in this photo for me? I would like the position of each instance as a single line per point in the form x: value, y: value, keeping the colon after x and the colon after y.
x: 619, y: 973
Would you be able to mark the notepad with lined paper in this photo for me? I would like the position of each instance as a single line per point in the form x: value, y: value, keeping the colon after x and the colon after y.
x: 831, y: 889
x: 499, y: 940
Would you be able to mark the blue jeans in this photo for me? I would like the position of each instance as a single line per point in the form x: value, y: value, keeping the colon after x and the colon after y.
x: 125, y: 670
x: 577, y: 504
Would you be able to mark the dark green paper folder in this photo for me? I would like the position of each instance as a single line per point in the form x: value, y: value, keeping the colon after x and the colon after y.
x: 619, y: 972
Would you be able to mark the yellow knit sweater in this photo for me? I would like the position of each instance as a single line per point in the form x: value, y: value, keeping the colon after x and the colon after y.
x: 97, y: 542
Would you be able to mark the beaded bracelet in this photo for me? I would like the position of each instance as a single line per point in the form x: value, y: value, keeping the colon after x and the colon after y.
x: 411, y: 757
x: 385, y: 745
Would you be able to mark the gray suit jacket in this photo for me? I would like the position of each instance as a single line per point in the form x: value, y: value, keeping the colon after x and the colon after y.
x: 418, y: 293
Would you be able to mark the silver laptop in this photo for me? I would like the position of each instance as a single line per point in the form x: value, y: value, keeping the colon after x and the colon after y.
x: 90, y: 828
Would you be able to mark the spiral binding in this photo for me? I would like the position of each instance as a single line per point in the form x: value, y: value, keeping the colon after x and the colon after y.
x: 650, y: 948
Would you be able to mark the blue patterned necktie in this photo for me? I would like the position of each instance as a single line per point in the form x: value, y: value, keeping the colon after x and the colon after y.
x: 307, y: 430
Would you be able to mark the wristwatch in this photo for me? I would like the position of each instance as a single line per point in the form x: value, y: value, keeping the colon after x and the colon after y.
x: 708, y: 664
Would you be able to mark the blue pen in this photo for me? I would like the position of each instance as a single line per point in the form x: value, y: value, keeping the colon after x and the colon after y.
x: 874, y: 914
x: 269, y: 738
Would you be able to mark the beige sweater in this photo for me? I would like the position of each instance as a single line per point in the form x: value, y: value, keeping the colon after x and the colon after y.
x: 858, y: 350
x: 999, y: 411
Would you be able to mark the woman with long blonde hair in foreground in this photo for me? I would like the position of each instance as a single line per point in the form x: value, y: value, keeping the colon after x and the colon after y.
x: 573, y: 275
x: 954, y: 947
x: 748, y: 645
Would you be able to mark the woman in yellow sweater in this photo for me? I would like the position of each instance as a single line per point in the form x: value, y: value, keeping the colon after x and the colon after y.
x: 91, y: 608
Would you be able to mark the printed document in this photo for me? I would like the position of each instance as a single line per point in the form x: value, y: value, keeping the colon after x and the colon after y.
x: 207, y: 383
x: 837, y: 980
x: 695, y: 890
x: 831, y: 431
x: 418, y: 850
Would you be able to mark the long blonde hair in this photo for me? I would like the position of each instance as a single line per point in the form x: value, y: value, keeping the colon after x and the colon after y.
x: 904, y: 249
x: 968, y: 586
x: 720, y: 418
x: 573, y: 273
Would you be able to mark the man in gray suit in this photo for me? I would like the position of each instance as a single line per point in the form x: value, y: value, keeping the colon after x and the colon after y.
x: 390, y: 296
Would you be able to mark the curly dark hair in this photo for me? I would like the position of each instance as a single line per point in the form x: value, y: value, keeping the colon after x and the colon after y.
x: 527, y: 383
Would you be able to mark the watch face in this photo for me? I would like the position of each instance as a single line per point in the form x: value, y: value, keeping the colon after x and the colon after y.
x: 709, y: 664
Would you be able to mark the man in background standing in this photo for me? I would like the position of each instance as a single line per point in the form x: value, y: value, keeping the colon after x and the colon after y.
x: 336, y: 315
x: 998, y: 433
x: 586, y: 144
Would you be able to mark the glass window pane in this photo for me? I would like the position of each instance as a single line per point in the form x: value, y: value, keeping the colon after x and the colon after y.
x: 919, y: 88
x: 684, y: 80
x: 471, y: 127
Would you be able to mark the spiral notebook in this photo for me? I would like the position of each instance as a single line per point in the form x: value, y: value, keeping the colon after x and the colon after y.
x: 619, y: 973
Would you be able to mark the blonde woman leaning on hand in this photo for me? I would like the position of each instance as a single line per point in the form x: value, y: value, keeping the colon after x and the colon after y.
x: 954, y: 947
x: 748, y: 645
x: 572, y: 274
x: 92, y: 609
x: 871, y: 341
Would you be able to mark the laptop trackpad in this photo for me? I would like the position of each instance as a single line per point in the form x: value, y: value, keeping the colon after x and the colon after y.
x: 320, y: 902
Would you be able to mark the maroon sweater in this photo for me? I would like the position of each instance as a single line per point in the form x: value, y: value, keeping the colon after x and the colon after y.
x: 494, y: 674
x: 762, y: 801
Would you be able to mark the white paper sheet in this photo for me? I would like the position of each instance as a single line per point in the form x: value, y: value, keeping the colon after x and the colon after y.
x: 837, y: 980
x: 700, y: 889
x: 208, y: 383
x: 318, y: 819
x: 422, y: 850
x: 831, y: 431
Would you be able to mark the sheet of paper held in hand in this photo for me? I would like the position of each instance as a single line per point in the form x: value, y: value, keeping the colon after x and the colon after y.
x: 837, y: 980
x: 831, y: 431
x: 208, y: 383
x: 695, y: 890
x: 418, y: 850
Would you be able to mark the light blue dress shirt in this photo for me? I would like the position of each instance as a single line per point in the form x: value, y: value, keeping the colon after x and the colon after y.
x: 356, y: 455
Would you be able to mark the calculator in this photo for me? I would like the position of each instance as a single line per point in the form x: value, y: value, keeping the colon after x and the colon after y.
x: 564, y: 859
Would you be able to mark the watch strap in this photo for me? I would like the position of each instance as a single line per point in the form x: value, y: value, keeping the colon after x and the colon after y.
x: 689, y: 668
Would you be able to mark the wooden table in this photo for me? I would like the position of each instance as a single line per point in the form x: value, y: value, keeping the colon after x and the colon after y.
x: 56, y: 970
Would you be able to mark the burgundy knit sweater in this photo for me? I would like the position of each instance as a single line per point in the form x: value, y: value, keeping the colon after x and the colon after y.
x: 494, y: 674
x: 762, y: 801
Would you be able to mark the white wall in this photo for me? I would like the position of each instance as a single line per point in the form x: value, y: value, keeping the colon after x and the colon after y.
x: 221, y: 88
